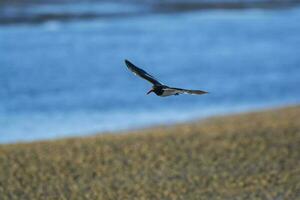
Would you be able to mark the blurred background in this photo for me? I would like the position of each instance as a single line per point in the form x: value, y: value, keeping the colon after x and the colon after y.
x: 62, y: 69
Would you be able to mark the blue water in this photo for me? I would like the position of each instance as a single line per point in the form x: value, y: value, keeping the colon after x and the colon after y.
x: 61, y: 79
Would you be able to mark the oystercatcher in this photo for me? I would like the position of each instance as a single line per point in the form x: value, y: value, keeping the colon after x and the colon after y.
x: 158, y: 88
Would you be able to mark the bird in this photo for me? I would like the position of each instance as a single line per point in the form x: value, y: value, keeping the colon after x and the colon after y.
x: 158, y: 88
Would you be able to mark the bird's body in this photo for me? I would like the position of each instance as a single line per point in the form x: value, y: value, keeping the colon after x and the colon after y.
x: 158, y: 88
x: 163, y: 91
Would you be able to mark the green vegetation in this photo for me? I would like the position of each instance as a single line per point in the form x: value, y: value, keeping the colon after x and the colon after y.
x: 249, y: 156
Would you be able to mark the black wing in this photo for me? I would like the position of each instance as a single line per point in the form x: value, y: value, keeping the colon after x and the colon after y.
x: 139, y: 72
x: 185, y: 91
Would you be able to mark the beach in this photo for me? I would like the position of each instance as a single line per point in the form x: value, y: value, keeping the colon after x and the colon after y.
x: 243, y: 156
x: 75, y: 123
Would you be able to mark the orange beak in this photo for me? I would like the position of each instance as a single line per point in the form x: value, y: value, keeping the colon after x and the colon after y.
x: 149, y: 91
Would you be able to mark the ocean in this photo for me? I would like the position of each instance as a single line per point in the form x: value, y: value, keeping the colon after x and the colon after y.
x: 68, y: 78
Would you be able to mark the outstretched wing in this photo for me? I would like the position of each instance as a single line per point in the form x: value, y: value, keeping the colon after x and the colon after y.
x: 185, y: 91
x: 141, y: 73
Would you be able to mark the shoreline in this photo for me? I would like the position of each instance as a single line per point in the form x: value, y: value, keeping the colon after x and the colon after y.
x: 13, y: 16
x: 154, y: 126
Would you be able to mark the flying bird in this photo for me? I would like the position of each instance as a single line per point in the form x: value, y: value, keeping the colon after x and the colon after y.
x: 158, y: 88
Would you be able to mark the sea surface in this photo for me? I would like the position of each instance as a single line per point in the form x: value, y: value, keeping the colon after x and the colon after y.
x: 67, y: 78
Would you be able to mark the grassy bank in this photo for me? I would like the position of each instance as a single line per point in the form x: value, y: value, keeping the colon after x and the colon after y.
x: 250, y: 156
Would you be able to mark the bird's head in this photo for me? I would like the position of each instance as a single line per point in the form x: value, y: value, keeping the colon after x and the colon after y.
x: 152, y: 90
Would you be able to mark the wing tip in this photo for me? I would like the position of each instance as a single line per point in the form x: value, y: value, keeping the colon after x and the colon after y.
x: 199, y: 92
x: 203, y: 92
x: 127, y: 62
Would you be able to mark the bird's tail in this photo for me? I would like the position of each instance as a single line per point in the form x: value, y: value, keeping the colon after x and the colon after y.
x: 195, y: 92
